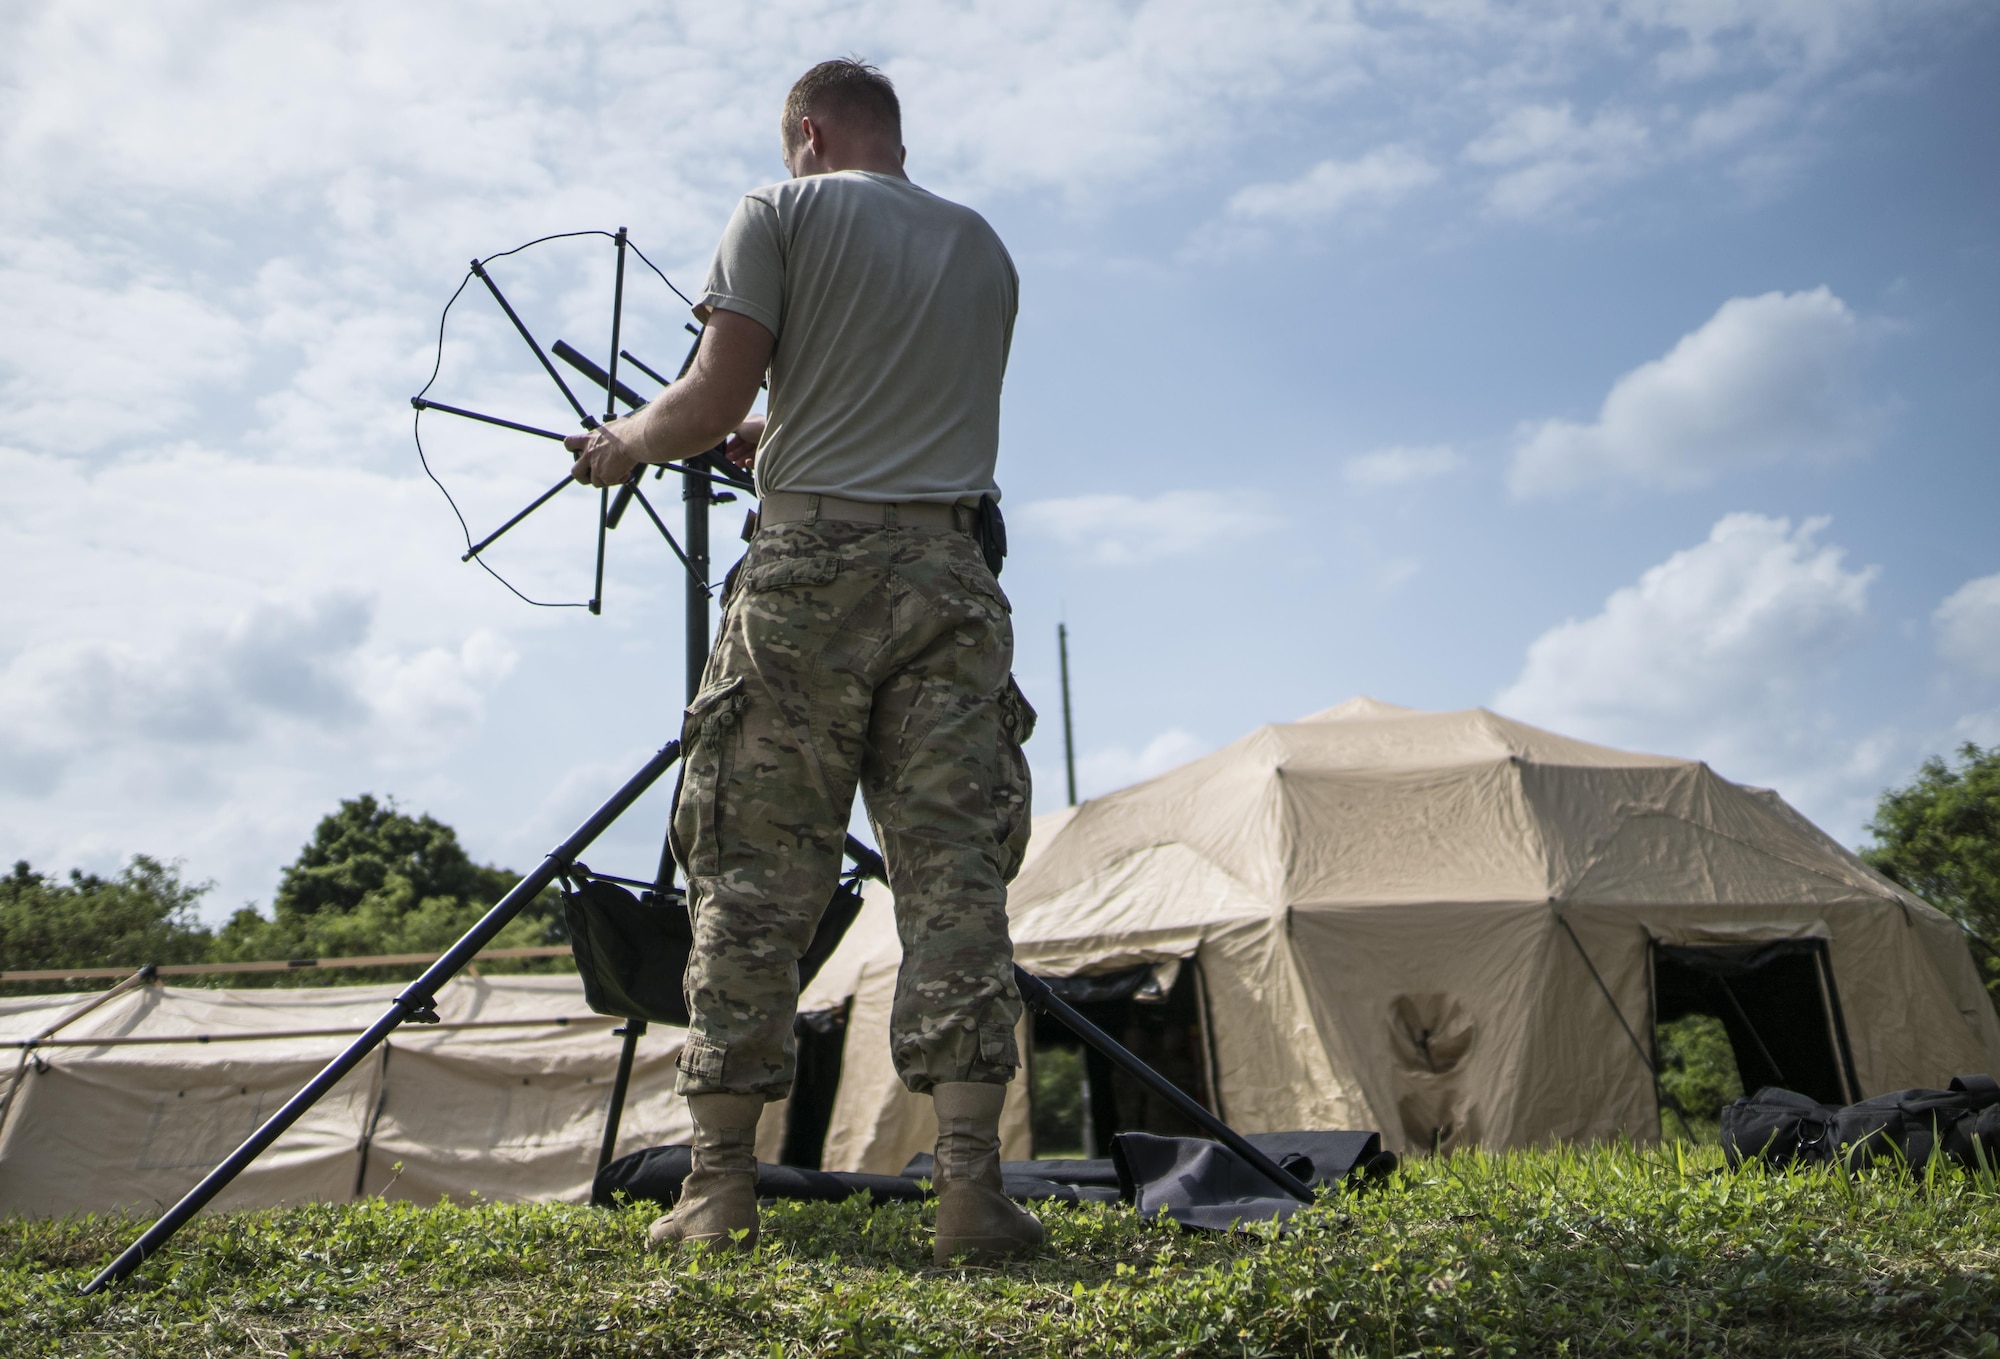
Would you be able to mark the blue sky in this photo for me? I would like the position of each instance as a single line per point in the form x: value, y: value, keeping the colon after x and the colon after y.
x: 1626, y: 367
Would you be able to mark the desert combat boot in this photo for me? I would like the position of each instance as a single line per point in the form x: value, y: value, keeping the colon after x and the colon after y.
x: 719, y: 1198
x: 974, y: 1218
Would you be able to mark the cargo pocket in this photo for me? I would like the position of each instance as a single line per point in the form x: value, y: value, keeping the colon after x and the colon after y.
x: 790, y: 572
x: 980, y: 582
x: 708, y: 735
x: 996, y: 1046
x: 702, y: 1061
x: 1013, y: 792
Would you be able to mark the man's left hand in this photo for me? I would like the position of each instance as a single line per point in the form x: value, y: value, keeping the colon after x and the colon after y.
x: 605, y: 455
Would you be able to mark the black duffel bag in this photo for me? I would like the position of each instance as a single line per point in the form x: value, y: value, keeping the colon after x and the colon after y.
x: 1779, y: 1127
x: 1908, y: 1127
x: 1905, y: 1127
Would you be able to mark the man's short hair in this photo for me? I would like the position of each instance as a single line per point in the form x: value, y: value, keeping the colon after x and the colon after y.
x: 843, y: 89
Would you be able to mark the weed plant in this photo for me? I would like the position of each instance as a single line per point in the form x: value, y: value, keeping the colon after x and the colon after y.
x: 1601, y: 1251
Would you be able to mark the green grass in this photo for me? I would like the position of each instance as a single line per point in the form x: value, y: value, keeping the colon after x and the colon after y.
x: 1597, y: 1252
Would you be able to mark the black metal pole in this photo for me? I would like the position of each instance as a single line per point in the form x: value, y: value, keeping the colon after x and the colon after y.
x: 533, y: 505
x: 619, y: 1084
x: 695, y: 496
x: 603, y: 515
x: 617, y: 320
x: 425, y: 404
x: 417, y: 1002
x: 479, y: 271
x: 583, y: 364
x: 695, y: 573
x: 1069, y: 737
x: 1038, y: 995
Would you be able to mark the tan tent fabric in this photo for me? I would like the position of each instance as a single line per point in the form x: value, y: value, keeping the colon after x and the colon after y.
x: 1402, y: 920
x: 510, y: 1113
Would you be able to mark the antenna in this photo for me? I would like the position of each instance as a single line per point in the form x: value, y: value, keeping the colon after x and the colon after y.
x: 1069, y: 735
x: 702, y: 474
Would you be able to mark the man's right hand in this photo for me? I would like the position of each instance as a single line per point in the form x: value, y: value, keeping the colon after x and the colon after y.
x: 741, y: 448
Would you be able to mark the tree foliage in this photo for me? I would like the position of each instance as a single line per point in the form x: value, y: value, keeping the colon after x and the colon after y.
x: 368, y: 847
x: 1698, y: 1069
x: 374, y: 879
x: 145, y: 914
x: 1940, y: 838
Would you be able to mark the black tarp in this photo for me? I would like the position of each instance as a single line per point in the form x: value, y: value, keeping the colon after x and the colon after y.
x: 1199, y: 1184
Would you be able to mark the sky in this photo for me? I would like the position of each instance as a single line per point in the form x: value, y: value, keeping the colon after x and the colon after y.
x: 1625, y: 366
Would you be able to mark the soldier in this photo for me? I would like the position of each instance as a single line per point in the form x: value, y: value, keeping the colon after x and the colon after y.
x: 864, y: 640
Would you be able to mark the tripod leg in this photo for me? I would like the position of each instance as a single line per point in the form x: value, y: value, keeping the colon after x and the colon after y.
x: 417, y: 1001
x: 619, y: 1084
x: 1041, y: 998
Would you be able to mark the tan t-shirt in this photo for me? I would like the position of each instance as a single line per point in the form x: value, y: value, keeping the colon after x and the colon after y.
x: 894, y: 310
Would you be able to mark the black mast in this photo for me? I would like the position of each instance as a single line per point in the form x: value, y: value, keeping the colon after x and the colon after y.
x: 1069, y: 737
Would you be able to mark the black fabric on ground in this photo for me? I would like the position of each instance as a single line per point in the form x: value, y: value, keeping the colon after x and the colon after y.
x: 1034, y: 1181
x: 658, y: 1172
x: 1100, y: 1174
x: 1201, y: 1184
x: 1205, y: 1186
x: 1330, y: 1158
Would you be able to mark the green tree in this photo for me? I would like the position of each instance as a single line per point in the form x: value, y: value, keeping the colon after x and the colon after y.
x: 145, y: 914
x: 374, y: 879
x: 1940, y: 838
x: 1698, y: 1070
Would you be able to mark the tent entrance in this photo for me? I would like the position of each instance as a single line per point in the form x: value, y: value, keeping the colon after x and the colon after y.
x: 821, y: 1040
x: 1776, y: 1001
x: 1080, y: 1100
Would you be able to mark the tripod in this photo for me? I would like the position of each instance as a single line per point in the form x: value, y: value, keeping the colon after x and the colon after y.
x: 417, y: 1003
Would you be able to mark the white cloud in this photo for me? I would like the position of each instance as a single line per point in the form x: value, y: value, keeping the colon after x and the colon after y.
x: 1545, y: 157
x: 226, y: 228
x: 1799, y: 35
x: 1333, y: 187
x: 1400, y: 465
x: 1125, y: 530
x: 1981, y: 728
x: 1968, y: 626
x: 1722, y: 652
x: 1765, y: 380
x: 210, y: 652
x: 1109, y: 768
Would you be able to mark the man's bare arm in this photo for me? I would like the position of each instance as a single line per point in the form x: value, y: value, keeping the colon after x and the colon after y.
x: 690, y: 417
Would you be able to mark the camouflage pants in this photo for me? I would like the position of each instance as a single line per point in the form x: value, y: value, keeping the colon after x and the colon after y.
x: 853, y: 654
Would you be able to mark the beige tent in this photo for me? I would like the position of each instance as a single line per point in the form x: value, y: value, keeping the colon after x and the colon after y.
x: 134, y: 1102
x: 1456, y: 929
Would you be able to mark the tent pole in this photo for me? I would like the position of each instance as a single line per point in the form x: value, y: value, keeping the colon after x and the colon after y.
x: 139, y: 978
x: 418, y: 1003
